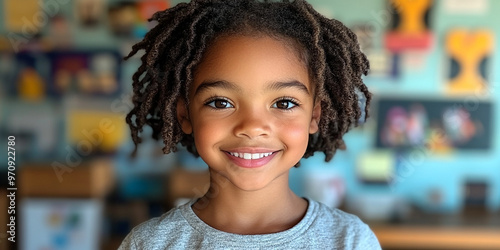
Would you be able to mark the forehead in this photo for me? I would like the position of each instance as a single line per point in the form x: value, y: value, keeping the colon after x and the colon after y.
x: 245, y: 59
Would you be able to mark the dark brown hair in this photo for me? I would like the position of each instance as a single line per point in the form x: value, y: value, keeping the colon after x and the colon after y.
x: 176, y: 45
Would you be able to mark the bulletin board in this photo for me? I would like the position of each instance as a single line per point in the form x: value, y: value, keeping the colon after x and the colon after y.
x: 444, y: 124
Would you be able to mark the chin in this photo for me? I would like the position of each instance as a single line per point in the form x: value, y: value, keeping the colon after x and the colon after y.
x: 251, y: 183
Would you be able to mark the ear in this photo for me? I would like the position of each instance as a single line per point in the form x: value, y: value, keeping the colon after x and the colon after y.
x: 183, y: 117
x: 316, y: 115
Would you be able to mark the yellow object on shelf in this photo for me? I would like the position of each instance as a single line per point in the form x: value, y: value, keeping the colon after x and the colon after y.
x: 31, y: 85
x: 92, y: 131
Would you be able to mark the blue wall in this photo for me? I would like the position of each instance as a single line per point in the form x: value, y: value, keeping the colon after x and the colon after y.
x: 444, y: 172
x: 415, y: 179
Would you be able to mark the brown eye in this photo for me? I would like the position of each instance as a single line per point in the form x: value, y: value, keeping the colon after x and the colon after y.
x: 219, y: 104
x: 284, y: 104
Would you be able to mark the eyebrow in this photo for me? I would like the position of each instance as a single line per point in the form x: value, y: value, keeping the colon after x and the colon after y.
x: 206, y: 85
x: 291, y: 84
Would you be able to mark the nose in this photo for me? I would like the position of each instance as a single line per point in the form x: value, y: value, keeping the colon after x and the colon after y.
x: 252, y: 124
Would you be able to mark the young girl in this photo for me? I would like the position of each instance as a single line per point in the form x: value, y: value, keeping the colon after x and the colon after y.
x: 251, y: 87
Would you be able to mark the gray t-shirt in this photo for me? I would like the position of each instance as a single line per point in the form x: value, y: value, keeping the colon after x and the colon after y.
x: 321, y: 228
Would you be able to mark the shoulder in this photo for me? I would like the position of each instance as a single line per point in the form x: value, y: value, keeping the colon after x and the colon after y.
x: 156, y: 232
x: 337, y: 217
x: 346, y: 229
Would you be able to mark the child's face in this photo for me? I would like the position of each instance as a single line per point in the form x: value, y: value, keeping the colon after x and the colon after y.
x: 251, y: 110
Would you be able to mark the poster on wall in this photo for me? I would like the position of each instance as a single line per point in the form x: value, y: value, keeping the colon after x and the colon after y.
x: 440, y: 125
x: 466, y: 7
x: 25, y: 18
x: 60, y: 224
x: 95, y: 131
x: 130, y: 20
x: 88, y: 73
x: 26, y: 75
x: 375, y: 167
x: 383, y: 63
x: 410, y: 29
x: 36, y: 76
x: 469, y: 54
x: 89, y: 13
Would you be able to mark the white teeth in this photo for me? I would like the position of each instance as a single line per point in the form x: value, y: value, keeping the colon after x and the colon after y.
x: 249, y: 156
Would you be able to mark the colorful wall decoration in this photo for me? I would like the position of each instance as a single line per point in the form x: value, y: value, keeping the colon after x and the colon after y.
x: 469, y: 53
x: 439, y: 125
x: 410, y: 25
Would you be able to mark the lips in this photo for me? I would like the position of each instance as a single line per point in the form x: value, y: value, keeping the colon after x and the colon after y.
x: 250, y: 156
x: 251, y: 159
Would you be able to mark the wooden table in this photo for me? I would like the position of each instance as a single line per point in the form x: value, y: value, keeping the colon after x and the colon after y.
x: 441, y: 232
x: 431, y: 237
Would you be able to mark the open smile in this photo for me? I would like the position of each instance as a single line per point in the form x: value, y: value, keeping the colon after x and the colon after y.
x: 251, y: 159
x: 250, y: 156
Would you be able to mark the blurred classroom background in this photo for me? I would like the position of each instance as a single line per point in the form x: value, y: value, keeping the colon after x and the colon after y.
x: 423, y: 172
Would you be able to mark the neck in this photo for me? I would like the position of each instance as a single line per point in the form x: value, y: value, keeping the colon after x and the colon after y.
x: 271, y: 209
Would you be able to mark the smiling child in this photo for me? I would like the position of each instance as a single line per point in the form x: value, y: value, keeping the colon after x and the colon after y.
x: 251, y: 87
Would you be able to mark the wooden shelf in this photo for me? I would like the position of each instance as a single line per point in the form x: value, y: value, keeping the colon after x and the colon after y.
x: 437, y: 237
x: 89, y: 179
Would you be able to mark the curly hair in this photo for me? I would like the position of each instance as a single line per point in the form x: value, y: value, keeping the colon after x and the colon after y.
x: 176, y: 45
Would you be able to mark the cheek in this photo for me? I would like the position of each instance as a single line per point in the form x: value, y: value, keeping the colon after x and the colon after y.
x: 207, y: 134
x: 295, y: 134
